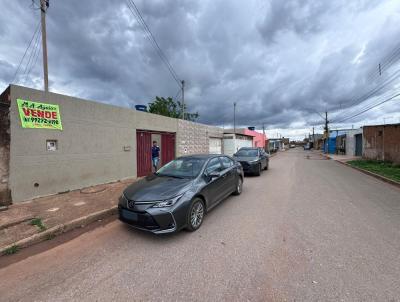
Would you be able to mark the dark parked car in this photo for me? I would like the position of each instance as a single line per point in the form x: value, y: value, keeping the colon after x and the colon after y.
x: 180, y: 193
x: 253, y: 160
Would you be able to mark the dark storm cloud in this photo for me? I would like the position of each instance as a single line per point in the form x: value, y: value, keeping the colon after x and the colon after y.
x: 279, y: 60
x: 302, y: 17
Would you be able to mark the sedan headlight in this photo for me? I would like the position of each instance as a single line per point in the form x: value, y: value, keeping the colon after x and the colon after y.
x: 168, y: 202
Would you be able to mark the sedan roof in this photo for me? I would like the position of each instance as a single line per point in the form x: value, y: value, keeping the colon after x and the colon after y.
x: 250, y: 148
x: 203, y: 156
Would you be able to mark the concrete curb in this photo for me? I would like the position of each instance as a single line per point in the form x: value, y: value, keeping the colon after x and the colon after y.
x: 380, y: 177
x: 61, y: 228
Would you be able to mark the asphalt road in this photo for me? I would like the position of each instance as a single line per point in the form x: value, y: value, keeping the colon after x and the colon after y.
x: 306, y: 230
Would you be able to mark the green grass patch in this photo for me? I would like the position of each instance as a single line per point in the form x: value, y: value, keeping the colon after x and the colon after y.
x: 39, y: 223
x: 384, y: 168
x: 11, y: 250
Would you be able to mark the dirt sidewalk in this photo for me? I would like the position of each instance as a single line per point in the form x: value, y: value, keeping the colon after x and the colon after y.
x: 26, y: 223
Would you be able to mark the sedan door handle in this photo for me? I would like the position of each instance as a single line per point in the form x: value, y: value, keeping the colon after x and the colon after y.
x: 224, y: 175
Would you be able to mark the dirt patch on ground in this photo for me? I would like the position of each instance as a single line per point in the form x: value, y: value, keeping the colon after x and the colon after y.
x: 52, y: 242
x: 15, y: 223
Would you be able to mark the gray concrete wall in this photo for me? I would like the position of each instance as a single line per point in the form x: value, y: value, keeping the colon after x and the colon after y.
x: 351, y: 141
x: 97, y: 144
x: 90, y: 146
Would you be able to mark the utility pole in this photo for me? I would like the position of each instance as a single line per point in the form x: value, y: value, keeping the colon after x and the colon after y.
x: 234, y: 126
x: 265, y: 146
x: 327, y: 130
x: 183, y: 99
x: 313, y: 138
x: 383, y: 142
x: 234, y: 119
x: 44, y: 5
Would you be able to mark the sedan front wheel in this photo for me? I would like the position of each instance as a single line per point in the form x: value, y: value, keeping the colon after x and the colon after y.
x: 239, y: 187
x: 195, y: 215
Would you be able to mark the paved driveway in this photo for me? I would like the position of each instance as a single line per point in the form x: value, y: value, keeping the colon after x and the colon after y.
x: 306, y: 230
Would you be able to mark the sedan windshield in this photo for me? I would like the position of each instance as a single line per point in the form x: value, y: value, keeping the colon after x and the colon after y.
x: 247, y: 153
x: 186, y: 167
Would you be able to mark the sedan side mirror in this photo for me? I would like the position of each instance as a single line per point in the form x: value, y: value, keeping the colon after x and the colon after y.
x: 210, y: 176
x: 214, y: 174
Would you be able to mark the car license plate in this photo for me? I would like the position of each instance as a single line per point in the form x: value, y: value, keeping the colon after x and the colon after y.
x: 130, y: 215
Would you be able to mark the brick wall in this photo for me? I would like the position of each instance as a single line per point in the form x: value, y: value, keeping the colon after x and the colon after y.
x: 382, y: 142
x: 5, y: 193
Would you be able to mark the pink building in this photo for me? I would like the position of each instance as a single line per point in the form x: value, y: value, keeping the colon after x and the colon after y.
x: 258, y: 138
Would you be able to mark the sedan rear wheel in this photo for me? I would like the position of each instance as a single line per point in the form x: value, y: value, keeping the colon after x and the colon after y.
x: 196, y: 215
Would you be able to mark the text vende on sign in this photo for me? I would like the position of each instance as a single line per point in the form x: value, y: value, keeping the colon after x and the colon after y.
x: 39, y: 115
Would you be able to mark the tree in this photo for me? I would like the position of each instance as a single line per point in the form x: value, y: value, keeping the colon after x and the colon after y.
x: 171, y: 108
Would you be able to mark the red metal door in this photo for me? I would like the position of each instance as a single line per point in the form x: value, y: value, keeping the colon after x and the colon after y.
x: 143, y: 153
x: 167, y: 147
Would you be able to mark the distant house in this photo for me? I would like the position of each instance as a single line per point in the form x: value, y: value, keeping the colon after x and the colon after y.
x: 233, y: 142
x: 316, y: 140
x: 275, y: 144
x: 285, y: 143
x: 354, y: 142
x: 258, y: 139
x: 382, y: 142
x: 336, y: 141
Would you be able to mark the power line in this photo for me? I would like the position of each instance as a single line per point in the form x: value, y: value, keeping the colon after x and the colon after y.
x: 31, y: 57
x: 384, y: 64
x: 315, y: 111
x: 174, y: 74
x: 377, y: 89
x: 369, y: 108
x: 136, y: 13
x: 155, y: 43
x: 391, y: 58
x: 374, y: 90
x: 178, y: 93
x: 26, y: 50
x: 36, y: 56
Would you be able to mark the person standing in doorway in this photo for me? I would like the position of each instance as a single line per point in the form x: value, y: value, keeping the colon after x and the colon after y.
x: 155, y: 155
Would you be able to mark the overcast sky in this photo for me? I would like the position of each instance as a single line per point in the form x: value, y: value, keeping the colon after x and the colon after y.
x: 279, y: 60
